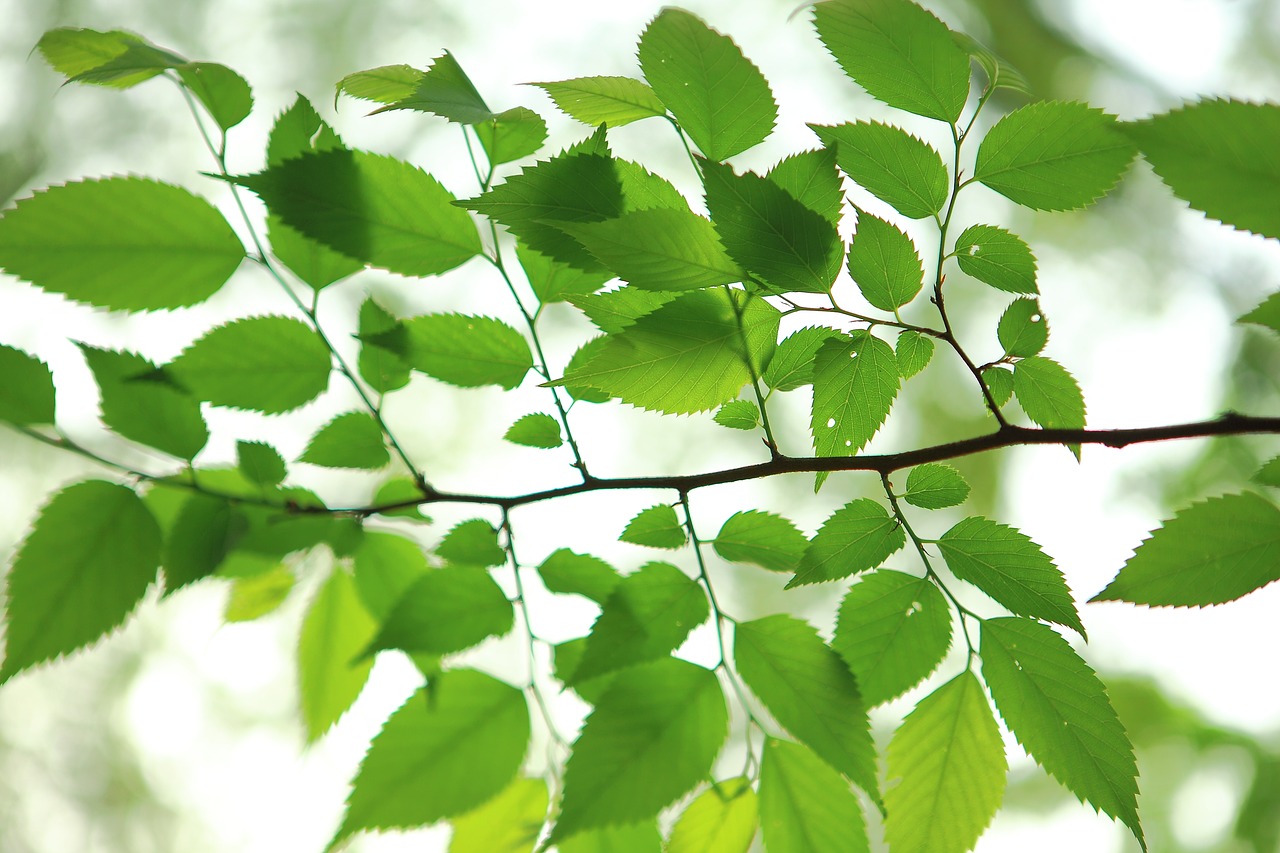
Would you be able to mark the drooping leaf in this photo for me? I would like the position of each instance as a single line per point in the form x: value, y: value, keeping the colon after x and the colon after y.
x: 75, y: 53
x: 444, y: 611
x: 26, y: 395
x: 463, y: 350
x: 1209, y: 553
x: 448, y: 749
x: 509, y: 823
x: 125, y: 244
x: 380, y: 367
x: 336, y: 628
x: 1218, y: 155
x: 1058, y: 710
x: 950, y: 759
x: 511, y: 135
x: 535, y: 430
x: 999, y: 382
x: 582, y: 574
x: 883, y: 262
x: 914, y: 351
x: 891, y: 164
x: 256, y: 595
x: 656, y: 527
x: 1022, y: 330
x: 615, y: 310
x: 723, y: 819
x: 1049, y: 394
x: 762, y: 538
x: 444, y: 90
x: 738, y: 414
x: 614, y: 101
x: 810, y: 691
x: 719, y: 97
x: 350, y: 440
x: 805, y: 806
x: 647, y: 616
x: 900, y: 53
x: 152, y: 413
x: 1267, y: 314
x: 857, y: 537
x: 552, y: 281
x: 998, y: 258
x: 810, y: 177
x: 297, y: 131
x: 935, y: 485
x: 472, y: 543
x: 1053, y: 155
x: 260, y: 463
x: 224, y: 93
x: 384, y: 85
x: 386, y: 565
x: 1000, y: 74
x: 855, y: 381
x: 792, y: 364
x: 893, y: 630
x: 652, y: 736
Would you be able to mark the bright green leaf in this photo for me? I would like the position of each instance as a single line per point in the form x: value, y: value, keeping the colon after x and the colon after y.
x: 999, y: 382
x: 792, y: 364
x: 857, y: 537
x: 467, y: 351
x: 73, y: 52
x: 614, y: 101
x: 883, y: 262
x: 472, y: 543
x: 1000, y: 74
x: 762, y: 538
x: 398, y: 489
x: 386, y: 565
x: 335, y: 630
x: 656, y: 527
x: 805, y: 806
x: 535, y: 430
x: 1269, y: 474
x: 146, y: 411
x: 351, y: 440
x: 615, y: 310
x: 384, y: 85
x: 509, y: 823
x: 855, y: 382
x: 643, y: 190
x: 260, y: 463
x: 738, y: 414
x: 914, y: 351
x: 297, y: 131
x: 380, y: 367
x: 935, y: 485
x: 254, y: 596
x: 723, y: 819
x: 445, y: 611
x: 552, y: 281
x: 581, y: 356
x: 565, y: 571
x: 315, y: 263
x: 810, y: 177
x: 891, y: 164
x: 1022, y: 330
x: 511, y: 135
x: 224, y: 93
x: 1049, y: 395
x: 998, y: 258
x: 445, y: 90
x: 26, y: 395
x: 631, y: 838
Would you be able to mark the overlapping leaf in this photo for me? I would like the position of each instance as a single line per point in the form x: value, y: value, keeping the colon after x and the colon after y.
x: 614, y: 101
x: 763, y: 538
x: 792, y: 364
x: 27, y: 394
x: 336, y: 628
x: 883, y: 262
x: 891, y: 164
x: 472, y: 543
x: 810, y: 177
x: 857, y: 537
x: 723, y: 819
x: 805, y: 806
x: 511, y: 135
x: 1049, y: 394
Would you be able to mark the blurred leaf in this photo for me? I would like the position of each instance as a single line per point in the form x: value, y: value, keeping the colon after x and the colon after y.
x: 656, y: 527
x: 350, y: 440
x: 723, y: 819
x: 444, y: 611
x: 27, y: 394
x: 508, y: 823
x: 335, y: 630
x: 472, y: 543
x: 567, y: 572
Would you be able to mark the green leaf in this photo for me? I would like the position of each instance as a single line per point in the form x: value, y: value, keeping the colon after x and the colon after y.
x: 632, y: 838
x: 857, y: 537
x: 385, y: 84
x: 1209, y: 553
x: 900, y: 53
x: 792, y: 364
x: 614, y: 101
x: 720, y: 99
x: 950, y: 758
x: 1049, y: 395
x: 738, y: 414
x: 615, y: 310
x: 125, y: 244
x: 26, y: 395
x: 656, y: 527
x: 855, y: 381
x: 552, y: 281
x: 463, y: 350
x: 647, y: 616
x: 999, y: 382
x: 350, y: 440
x: 224, y: 93
x: 400, y: 489
x: 260, y: 463
x: 567, y: 572
x: 1053, y: 155
x: 810, y: 691
x: 201, y: 538
x: 75, y: 52
x: 884, y: 264
x: 935, y: 485
x: 335, y: 630
x: 1006, y: 565
x: 567, y: 657
x: 152, y: 413
x: 1058, y: 710
x: 444, y: 90
x: 1218, y: 155
x: 535, y: 430
x: 689, y: 355
x: 723, y: 819
x: 997, y: 257
x: 805, y: 806
x: 914, y: 351
x: 511, y: 135
x: 1000, y: 74
x: 1022, y: 330
x: 314, y: 263
x: 380, y: 367
x: 643, y: 190
x: 780, y: 241
x: 762, y: 538
x: 810, y: 177
x: 580, y: 357
x: 472, y: 543
x: 87, y: 562
x: 891, y: 164
x: 1267, y: 314
x: 652, y: 736
x: 268, y: 364
x: 377, y: 209
x: 444, y: 611
x: 892, y: 631
x: 509, y: 823
x: 1269, y: 474
x: 297, y: 131
x: 254, y: 596
x: 448, y: 749
x: 386, y: 566
x: 659, y: 249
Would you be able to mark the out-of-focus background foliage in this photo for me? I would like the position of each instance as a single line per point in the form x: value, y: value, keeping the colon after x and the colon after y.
x: 179, y: 732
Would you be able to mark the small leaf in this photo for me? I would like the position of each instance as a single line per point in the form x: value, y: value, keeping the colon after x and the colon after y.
x: 552, y: 281
x: 935, y: 485
x: 810, y: 177
x: 335, y: 630
x: 805, y: 806
x: 656, y: 527
x: 472, y: 543
x: 1058, y: 710
x: 567, y: 572
x: 1053, y: 155
x: 385, y: 84
x: 996, y: 257
x: 855, y: 382
x: 884, y: 264
x: 386, y: 565
x: 723, y: 819
x: 614, y: 101
x: 260, y: 463
x: 1006, y: 565
x: 467, y: 351
x: 1209, y: 553
x: 511, y: 135
x: 914, y: 351
x: 297, y: 131
x: 445, y: 611
x: 380, y: 367
x: 268, y: 364
x: 400, y: 489
x: 87, y: 562
x: 445, y: 90
x: 738, y: 414
x: 1022, y: 330
x: 152, y: 413
x: 1000, y: 74
x: 508, y: 823
x: 999, y: 382
x: 719, y: 97
x: 792, y: 364
x: 810, y: 691
x: 124, y: 244
x: 255, y: 596
x: 26, y: 395
x: 762, y: 538
x: 535, y: 430
x: 1049, y: 395
x: 857, y: 537
x: 351, y: 440
x: 950, y: 758
x: 892, y: 631
x: 224, y: 93
x: 891, y: 164
x: 1267, y: 314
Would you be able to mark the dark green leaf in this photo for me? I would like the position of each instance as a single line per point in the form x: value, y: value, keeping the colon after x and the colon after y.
x: 723, y: 819
x: 462, y: 350
x: 1022, y: 330
x: 582, y: 574
x: 351, y: 440
x: 386, y: 565
x: 935, y: 486
x: 998, y: 258
x: 656, y: 527
x: 224, y: 93
x: 260, y: 463
x: 472, y: 543
x: 445, y: 90
x: 762, y: 538
x: 509, y: 823
x: 26, y: 395
x: 335, y: 630
x: 805, y: 806
x: 891, y: 164
x: 855, y: 382
x: 810, y: 177
x: 535, y: 430
x: 792, y: 364
x: 152, y: 413
x: 511, y: 135
x: 202, y: 537
x: 1267, y: 314
x: 314, y: 263
x: 999, y: 382
x: 384, y: 85
x: 380, y: 367
x: 445, y: 611
x: 1269, y: 474
x: 884, y: 264
x: 914, y: 351
x: 552, y: 281
x: 615, y: 310
x: 857, y: 537
x: 297, y: 131
x: 614, y: 101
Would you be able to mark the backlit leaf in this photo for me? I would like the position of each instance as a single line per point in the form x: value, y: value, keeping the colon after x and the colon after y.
x: 614, y: 101
x: 1000, y: 74
x: 260, y: 463
x: 445, y: 90
x: 313, y: 262
x: 73, y: 52
x: 467, y: 351
x: 400, y: 489
x: 891, y: 164
x: 810, y: 177
x: 1049, y: 395
x: 385, y: 84
x: 444, y: 611
x: 568, y: 572
x: 614, y: 310
x: 351, y: 440
x: 914, y: 351
x: 857, y: 537
x: 552, y: 281
x: 935, y: 485
x: 883, y: 262
x: 256, y: 595
x: 762, y: 538
x: 224, y: 93
x: 386, y: 565
x: 509, y: 823
x: 511, y: 135
x: 998, y: 258
x: 723, y: 819
x: 738, y: 414
x: 26, y: 395
x: 380, y: 367
x: 999, y: 382
x: 1269, y: 474
x: 656, y: 527
x: 631, y: 838
x: 535, y: 430
x: 152, y: 413
x: 297, y: 131
x: 792, y: 364
x: 472, y: 543
x: 1267, y: 314
x: 200, y: 540
x: 805, y: 806
x: 855, y: 381
x: 335, y: 630
x: 1022, y: 330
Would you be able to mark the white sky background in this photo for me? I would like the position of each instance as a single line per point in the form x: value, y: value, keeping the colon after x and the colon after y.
x: 211, y: 710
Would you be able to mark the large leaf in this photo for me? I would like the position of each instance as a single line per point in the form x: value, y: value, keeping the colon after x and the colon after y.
x: 446, y: 610
x: 997, y: 257
x: 1053, y: 155
x: 376, y: 209
x: 86, y: 564
x: 949, y: 758
x: 614, y: 101
x: 448, y: 749
x: 805, y: 806
x: 509, y: 823
x: 153, y: 413
x: 335, y: 630
x: 855, y: 381
x: 857, y: 537
x: 652, y: 736
x: 269, y: 364
x: 719, y: 97
x: 1219, y: 156
x: 463, y: 350
x: 1058, y: 710
x: 883, y: 262
x: 127, y: 244
x: 810, y: 691
x: 763, y: 538
x: 1209, y: 553
x: 350, y: 440
x: 26, y: 395
x: 891, y: 164
x: 723, y: 819
x: 897, y: 51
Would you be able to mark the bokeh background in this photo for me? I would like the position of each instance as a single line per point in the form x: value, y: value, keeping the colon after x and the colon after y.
x: 180, y: 732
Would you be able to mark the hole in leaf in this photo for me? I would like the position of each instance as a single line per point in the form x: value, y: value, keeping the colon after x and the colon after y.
x: 973, y: 250
x: 831, y: 422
